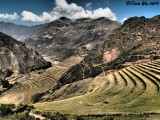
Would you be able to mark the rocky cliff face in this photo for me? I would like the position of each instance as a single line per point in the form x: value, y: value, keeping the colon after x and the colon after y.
x: 19, y: 32
x: 64, y: 38
x: 18, y: 57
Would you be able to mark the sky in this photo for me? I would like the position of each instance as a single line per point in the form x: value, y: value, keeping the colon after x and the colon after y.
x: 33, y: 12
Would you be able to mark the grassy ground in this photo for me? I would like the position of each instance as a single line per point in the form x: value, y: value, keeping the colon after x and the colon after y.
x: 124, y: 117
x: 133, y: 89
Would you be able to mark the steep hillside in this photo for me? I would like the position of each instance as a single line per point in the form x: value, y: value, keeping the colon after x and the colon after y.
x: 131, y: 90
x: 119, y: 75
x: 18, y: 57
x: 136, y: 41
x: 64, y: 38
x: 20, y: 32
x: 31, y: 90
x: 137, y: 31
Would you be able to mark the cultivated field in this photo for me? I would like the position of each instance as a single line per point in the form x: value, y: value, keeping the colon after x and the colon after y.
x: 27, y: 91
x: 131, y: 90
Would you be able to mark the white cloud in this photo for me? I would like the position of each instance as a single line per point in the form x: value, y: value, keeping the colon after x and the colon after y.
x: 9, y: 16
x: 29, y: 16
x: 125, y: 18
x: 72, y: 11
x: 89, y: 6
x: 62, y: 9
x: 103, y: 13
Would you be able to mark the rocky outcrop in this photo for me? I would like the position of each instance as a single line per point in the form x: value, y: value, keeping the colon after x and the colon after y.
x: 18, y: 57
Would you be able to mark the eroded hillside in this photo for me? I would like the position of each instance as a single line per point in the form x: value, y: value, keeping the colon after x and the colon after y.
x: 18, y: 57
x: 64, y: 38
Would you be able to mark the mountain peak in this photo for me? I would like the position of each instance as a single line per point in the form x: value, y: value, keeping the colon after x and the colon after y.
x: 133, y: 19
x: 135, y: 22
x: 64, y: 18
x: 83, y: 19
x: 156, y: 17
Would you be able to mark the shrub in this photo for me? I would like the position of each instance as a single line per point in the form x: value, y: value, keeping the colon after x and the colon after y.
x: 6, y: 109
x: 5, y: 83
x: 79, y: 118
x: 109, y: 118
x: 58, y: 116
x: 22, y: 116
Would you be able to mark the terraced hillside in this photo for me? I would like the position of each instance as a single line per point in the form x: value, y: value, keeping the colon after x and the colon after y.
x: 134, y: 89
x: 136, y: 41
x: 99, y: 82
x: 29, y: 90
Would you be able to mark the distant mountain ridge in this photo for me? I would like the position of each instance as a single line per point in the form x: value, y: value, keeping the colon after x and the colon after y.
x: 20, y: 32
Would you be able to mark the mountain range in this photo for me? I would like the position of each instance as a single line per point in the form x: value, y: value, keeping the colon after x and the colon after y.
x: 64, y: 38
x: 98, y: 67
x: 19, y: 32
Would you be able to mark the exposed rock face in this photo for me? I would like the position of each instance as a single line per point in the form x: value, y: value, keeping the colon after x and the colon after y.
x: 110, y: 55
x: 18, y: 57
x: 64, y: 38
x: 20, y: 32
